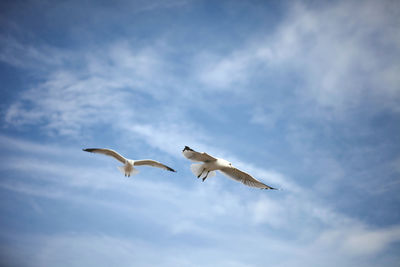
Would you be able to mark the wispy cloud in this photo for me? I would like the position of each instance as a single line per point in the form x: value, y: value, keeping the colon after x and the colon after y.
x: 207, y: 212
x: 358, y: 240
x: 336, y: 58
x: 334, y: 45
x: 154, y: 99
x: 29, y: 56
x: 333, y: 48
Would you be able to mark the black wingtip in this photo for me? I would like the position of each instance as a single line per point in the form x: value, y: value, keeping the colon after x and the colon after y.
x: 171, y: 170
x: 187, y: 148
x: 272, y: 188
x: 88, y: 149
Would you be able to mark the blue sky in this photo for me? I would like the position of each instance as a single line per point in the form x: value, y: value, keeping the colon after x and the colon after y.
x: 303, y: 95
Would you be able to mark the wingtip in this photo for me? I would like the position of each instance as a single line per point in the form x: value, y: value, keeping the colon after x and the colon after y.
x: 271, y: 188
x: 187, y: 148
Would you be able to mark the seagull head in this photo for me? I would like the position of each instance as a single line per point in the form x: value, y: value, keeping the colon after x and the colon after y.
x: 223, y: 162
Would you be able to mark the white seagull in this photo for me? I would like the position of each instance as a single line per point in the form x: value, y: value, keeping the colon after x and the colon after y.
x: 211, y: 164
x: 128, y: 168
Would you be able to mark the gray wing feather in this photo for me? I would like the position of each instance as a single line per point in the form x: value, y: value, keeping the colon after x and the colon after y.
x: 108, y: 152
x: 152, y: 163
x: 197, y: 156
x: 244, y: 178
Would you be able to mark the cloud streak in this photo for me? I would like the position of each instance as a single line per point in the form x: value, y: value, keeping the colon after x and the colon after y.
x: 209, y: 213
x: 153, y: 98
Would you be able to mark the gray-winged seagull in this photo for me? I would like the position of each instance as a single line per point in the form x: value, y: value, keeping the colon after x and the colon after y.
x: 211, y: 164
x: 128, y: 168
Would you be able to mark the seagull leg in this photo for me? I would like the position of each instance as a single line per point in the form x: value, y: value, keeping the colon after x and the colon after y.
x: 206, y: 176
x: 198, y: 176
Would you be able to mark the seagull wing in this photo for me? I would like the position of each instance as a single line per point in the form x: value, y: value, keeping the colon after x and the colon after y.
x: 153, y: 163
x: 244, y: 178
x: 108, y: 152
x: 197, y: 156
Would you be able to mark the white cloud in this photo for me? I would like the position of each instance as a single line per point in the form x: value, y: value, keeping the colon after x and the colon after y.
x: 225, y: 73
x: 269, y: 211
x: 112, y: 85
x: 229, y: 218
x: 346, y: 54
x: 100, y: 91
x: 334, y: 46
x: 169, y: 137
x: 29, y: 56
x: 77, y: 250
x: 329, y: 45
x: 358, y: 240
x: 371, y: 242
x: 66, y: 103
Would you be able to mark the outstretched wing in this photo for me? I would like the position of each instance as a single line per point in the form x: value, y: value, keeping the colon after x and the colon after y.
x: 153, y: 163
x: 197, y: 156
x: 108, y: 152
x: 244, y: 178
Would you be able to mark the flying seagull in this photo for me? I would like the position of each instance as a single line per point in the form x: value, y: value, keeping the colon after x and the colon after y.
x: 128, y: 168
x: 211, y: 164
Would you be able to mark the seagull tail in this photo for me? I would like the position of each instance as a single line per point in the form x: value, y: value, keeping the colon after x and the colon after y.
x: 196, y: 169
x: 131, y: 173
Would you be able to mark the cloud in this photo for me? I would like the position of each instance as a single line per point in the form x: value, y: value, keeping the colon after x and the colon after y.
x: 335, y: 47
x: 329, y: 46
x: 170, y: 137
x: 139, y: 94
x: 77, y: 250
x: 225, y: 73
x: 210, y: 218
x: 65, y: 104
x: 358, y: 240
x: 334, y: 50
x: 111, y: 85
x: 30, y: 56
x: 71, y: 100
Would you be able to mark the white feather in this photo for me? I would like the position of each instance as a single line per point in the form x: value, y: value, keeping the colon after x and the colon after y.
x: 131, y: 173
x: 196, y: 169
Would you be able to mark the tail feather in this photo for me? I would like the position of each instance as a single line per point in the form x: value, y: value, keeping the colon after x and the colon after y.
x: 131, y: 173
x: 121, y: 169
x: 196, y: 169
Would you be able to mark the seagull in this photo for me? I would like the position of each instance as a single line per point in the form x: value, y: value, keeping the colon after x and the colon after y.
x: 211, y: 164
x: 128, y: 168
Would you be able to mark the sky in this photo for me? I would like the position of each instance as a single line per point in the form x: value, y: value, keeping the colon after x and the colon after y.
x: 303, y: 95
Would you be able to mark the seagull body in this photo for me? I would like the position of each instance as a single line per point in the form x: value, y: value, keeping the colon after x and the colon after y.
x: 211, y: 164
x: 128, y: 168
